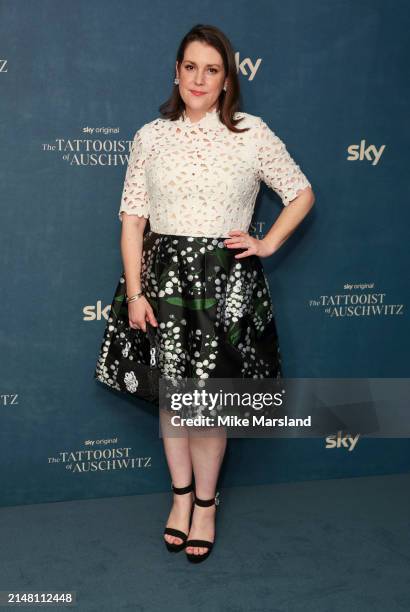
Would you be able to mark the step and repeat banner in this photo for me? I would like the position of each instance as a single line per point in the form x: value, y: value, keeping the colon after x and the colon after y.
x: 77, y: 80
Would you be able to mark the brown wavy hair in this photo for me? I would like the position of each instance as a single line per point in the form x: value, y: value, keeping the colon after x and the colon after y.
x: 228, y: 100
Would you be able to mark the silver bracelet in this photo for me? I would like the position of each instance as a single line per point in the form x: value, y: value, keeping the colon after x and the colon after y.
x: 134, y: 297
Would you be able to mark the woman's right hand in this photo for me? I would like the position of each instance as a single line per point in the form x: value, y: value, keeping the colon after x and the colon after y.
x: 139, y: 312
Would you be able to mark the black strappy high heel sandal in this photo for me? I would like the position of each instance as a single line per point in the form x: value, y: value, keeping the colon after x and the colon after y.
x: 172, y: 547
x: 202, y: 543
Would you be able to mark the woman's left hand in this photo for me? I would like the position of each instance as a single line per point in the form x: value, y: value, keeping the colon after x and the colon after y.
x: 243, y: 240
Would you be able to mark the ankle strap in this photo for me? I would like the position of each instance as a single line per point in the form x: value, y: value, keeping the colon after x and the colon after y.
x: 182, y: 490
x: 207, y: 502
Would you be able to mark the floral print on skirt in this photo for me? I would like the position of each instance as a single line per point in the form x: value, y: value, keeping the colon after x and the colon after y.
x: 214, y: 312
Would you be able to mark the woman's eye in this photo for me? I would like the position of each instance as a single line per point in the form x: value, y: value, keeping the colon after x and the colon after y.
x: 213, y: 70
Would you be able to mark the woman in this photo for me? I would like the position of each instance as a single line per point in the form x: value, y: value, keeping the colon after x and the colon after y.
x: 196, y: 275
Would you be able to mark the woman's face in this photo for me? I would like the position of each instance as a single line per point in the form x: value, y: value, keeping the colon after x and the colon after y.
x: 202, y: 71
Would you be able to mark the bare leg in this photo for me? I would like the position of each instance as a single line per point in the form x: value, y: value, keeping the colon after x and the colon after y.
x: 207, y: 454
x: 180, y: 467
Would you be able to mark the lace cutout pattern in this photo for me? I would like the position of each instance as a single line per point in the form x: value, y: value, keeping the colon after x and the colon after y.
x: 135, y: 200
x: 277, y: 168
x: 201, y: 179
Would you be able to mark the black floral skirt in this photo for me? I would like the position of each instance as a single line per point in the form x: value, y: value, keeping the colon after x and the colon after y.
x: 214, y: 312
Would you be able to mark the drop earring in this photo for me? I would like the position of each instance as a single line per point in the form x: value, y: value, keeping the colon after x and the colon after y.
x: 176, y: 81
x: 225, y: 88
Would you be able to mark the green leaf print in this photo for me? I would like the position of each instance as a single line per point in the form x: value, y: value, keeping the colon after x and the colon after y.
x: 234, y: 333
x: 163, y: 278
x: 195, y: 304
x: 259, y: 307
x: 223, y: 258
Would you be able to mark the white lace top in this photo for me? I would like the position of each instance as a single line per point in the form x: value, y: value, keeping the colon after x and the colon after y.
x: 201, y: 179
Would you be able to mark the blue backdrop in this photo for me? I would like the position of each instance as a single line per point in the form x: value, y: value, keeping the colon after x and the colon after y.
x: 79, y: 78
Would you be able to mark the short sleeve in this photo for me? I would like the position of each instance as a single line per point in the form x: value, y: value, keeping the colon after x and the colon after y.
x: 277, y: 168
x: 134, y: 199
